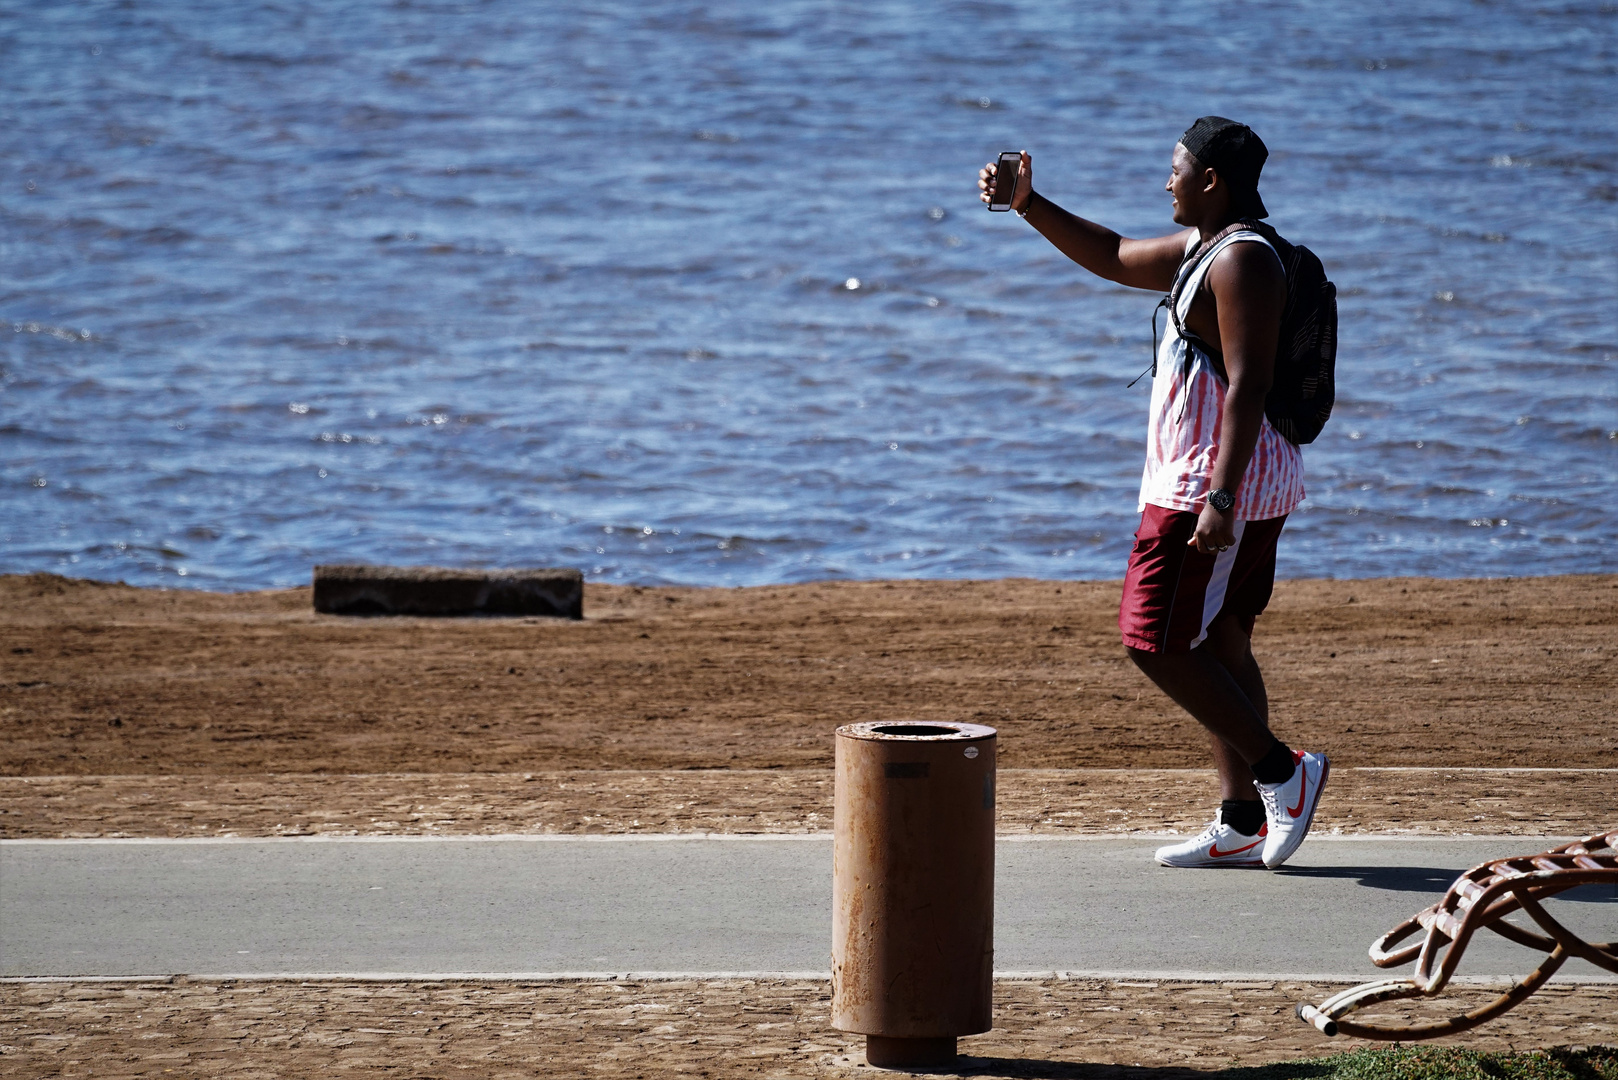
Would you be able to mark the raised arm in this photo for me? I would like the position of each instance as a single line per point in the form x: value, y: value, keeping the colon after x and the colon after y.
x: 1140, y: 264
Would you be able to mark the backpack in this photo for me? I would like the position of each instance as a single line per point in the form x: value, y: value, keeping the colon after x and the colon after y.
x: 1304, y: 386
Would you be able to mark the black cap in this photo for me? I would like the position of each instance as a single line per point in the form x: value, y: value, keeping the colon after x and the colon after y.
x: 1234, y: 152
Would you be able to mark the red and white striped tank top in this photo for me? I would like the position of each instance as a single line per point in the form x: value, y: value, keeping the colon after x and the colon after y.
x: 1182, y: 437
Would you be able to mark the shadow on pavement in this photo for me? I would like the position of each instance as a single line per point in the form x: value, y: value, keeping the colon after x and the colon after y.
x: 1423, y: 879
x: 1590, y: 894
x: 1431, y: 879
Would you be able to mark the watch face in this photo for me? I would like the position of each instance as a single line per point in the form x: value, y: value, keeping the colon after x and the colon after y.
x: 1221, y: 500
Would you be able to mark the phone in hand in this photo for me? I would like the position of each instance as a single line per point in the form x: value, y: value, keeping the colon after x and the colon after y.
x: 1005, y: 180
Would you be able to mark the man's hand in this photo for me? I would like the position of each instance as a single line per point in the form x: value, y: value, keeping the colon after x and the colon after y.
x: 1025, y: 182
x: 1215, y: 531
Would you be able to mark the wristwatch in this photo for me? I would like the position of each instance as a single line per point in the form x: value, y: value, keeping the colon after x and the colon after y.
x: 1221, y: 500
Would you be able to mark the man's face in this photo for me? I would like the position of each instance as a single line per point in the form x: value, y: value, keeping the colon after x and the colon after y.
x: 1188, y: 183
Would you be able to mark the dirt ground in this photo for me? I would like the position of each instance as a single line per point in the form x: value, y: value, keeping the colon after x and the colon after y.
x: 711, y: 710
x: 1063, y: 801
x: 1057, y: 1029
x: 99, y: 679
x: 134, y: 712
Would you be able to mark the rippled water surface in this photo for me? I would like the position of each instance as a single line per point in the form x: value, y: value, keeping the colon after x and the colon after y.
x: 702, y: 293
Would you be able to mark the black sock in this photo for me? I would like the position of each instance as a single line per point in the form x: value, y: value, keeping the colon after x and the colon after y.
x: 1246, y: 816
x: 1275, y: 767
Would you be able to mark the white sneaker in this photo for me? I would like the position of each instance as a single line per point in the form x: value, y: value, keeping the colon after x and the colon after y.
x: 1218, y: 845
x: 1289, y: 808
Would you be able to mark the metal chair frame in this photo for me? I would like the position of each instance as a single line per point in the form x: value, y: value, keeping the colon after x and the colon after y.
x: 1479, y: 899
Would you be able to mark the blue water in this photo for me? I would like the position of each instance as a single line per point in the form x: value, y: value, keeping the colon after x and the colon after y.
x: 508, y: 284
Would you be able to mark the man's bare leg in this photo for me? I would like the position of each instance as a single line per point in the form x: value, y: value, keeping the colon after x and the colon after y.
x: 1231, y: 646
x: 1219, y: 684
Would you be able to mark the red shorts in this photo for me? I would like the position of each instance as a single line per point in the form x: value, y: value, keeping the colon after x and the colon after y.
x: 1173, y: 592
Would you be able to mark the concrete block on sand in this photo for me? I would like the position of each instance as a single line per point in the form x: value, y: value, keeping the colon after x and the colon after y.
x: 434, y: 590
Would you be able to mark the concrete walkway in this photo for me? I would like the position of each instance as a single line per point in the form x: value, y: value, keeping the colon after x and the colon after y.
x: 672, y: 904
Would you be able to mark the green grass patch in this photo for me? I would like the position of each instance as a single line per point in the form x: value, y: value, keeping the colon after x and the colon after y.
x: 1442, y: 1063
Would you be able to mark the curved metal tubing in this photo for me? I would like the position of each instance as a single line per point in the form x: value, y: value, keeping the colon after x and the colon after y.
x: 1479, y: 899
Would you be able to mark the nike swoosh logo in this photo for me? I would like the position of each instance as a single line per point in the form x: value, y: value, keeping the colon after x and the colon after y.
x: 1215, y: 853
x: 1303, y: 788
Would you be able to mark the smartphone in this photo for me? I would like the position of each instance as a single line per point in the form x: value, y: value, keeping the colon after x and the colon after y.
x: 1007, y: 167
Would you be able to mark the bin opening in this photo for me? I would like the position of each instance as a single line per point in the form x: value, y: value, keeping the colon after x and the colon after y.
x: 914, y: 729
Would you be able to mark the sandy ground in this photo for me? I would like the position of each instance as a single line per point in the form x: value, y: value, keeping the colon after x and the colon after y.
x: 167, y: 713
x: 1066, y: 801
x: 720, y: 1028
x: 110, y: 680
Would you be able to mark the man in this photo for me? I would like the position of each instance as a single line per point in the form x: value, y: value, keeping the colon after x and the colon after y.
x: 1219, y: 480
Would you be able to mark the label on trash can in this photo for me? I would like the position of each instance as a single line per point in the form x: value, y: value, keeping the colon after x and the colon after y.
x: 970, y: 751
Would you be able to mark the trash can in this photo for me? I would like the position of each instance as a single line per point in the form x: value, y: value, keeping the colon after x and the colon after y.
x: 913, y: 887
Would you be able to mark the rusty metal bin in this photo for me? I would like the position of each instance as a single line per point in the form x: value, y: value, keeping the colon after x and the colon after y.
x: 913, y: 887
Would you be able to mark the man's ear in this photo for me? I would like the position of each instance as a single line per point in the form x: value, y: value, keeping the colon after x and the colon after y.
x: 1210, y: 180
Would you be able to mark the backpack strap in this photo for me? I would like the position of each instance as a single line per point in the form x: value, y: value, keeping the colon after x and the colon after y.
x: 1193, y: 269
x: 1187, y: 266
